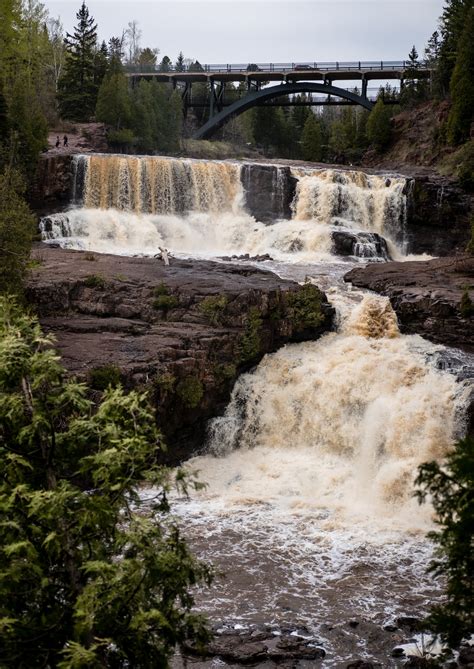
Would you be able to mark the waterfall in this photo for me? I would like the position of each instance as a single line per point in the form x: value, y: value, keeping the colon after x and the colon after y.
x: 353, y: 199
x: 155, y: 185
x: 134, y: 204
x: 361, y: 408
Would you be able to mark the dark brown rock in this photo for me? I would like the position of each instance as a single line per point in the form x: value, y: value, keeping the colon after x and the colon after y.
x: 184, y: 332
x: 269, y: 191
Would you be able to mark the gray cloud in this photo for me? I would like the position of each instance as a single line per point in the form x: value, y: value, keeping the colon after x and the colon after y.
x: 225, y: 31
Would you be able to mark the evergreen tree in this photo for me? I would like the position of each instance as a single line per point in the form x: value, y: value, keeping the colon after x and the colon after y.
x: 101, y: 62
x: 451, y: 489
x: 311, y: 139
x: 78, y: 87
x: 91, y: 576
x: 180, y: 65
x: 4, y: 124
x: 452, y: 25
x: 415, y: 89
x: 461, y: 115
x: 379, y: 129
x: 147, y: 58
x: 165, y: 65
x: 17, y: 226
x: 113, y: 101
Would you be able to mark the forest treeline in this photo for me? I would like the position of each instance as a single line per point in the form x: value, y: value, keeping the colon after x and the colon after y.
x: 48, y: 75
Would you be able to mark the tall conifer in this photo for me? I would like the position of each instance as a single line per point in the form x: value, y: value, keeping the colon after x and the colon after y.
x: 78, y: 86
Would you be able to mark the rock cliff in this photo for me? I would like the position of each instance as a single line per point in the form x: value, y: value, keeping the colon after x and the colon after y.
x: 183, y: 332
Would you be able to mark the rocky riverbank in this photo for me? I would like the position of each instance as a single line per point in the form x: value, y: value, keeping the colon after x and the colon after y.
x: 184, y: 332
x: 426, y: 296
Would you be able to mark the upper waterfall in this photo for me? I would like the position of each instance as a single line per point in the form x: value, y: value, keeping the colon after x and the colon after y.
x: 155, y: 185
x: 134, y: 204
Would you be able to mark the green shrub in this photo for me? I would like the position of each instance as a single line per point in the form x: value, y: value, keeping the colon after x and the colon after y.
x: 304, y: 307
x: 190, y: 390
x: 163, y: 300
x: 165, y: 382
x: 249, y: 344
x: 213, y: 307
x: 225, y: 372
x: 90, y: 257
x: 466, y: 306
x: 93, y: 575
x: 101, y: 378
x: 95, y: 281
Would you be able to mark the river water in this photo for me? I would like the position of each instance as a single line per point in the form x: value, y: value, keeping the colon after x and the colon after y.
x: 309, y: 508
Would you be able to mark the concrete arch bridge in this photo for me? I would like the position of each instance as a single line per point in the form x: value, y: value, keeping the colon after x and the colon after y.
x: 290, y: 79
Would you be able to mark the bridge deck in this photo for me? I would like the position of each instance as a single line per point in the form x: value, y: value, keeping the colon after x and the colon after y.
x: 287, y: 72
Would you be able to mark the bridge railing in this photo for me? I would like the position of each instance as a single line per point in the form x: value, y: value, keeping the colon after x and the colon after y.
x: 219, y: 68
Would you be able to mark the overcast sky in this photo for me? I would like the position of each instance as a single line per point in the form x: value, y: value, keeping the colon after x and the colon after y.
x: 230, y: 31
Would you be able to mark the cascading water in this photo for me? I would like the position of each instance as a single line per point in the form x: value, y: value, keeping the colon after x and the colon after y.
x: 309, y: 507
x: 130, y: 205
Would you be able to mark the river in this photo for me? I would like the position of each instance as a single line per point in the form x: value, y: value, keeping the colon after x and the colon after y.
x: 309, y: 508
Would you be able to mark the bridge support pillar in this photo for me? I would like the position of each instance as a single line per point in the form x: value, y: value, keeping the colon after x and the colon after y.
x: 364, y: 86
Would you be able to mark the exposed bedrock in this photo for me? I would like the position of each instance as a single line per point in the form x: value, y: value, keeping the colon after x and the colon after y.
x: 184, y: 332
x: 269, y: 191
x: 438, y: 217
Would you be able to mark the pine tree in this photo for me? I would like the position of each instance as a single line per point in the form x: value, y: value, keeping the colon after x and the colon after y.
x: 91, y: 575
x: 311, y: 139
x: 113, y: 101
x: 180, y: 66
x: 78, y: 87
x: 461, y: 115
x: 452, y: 24
x: 147, y: 58
x: 451, y: 489
x: 165, y: 65
x: 379, y: 129
x: 101, y: 62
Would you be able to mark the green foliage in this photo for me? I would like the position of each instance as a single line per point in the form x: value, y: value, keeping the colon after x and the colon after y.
x: 78, y: 85
x: 163, y: 300
x: 121, y: 140
x: 165, y: 382
x: 101, y: 378
x: 470, y: 245
x: 156, y: 117
x: 190, y: 390
x: 224, y: 372
x: 113, y: 101
x: 213, y: 308
x: 415, y: 90
x: 466, y: 307
x: 311, y: 139
x: 461, y: 114
x: 17, y: 225
x: 453, y: 21
x: 95, y: 281
x: 304, y: 307
x: 451, y: 489
x: 379, y: 130
x: 90, y: 575
x: 249, y: 344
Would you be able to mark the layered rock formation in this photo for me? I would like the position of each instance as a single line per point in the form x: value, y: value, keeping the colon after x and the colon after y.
x: 184, y: 332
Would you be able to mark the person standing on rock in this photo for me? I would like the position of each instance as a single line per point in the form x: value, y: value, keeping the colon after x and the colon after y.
x: 65, y: 140
x: 58, y: 142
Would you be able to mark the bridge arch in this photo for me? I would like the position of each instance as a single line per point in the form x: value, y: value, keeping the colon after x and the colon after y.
x: 252, y: 99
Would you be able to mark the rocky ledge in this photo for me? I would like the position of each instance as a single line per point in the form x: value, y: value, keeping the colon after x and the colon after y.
x: 427, y: 296
x: 184, y: 332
